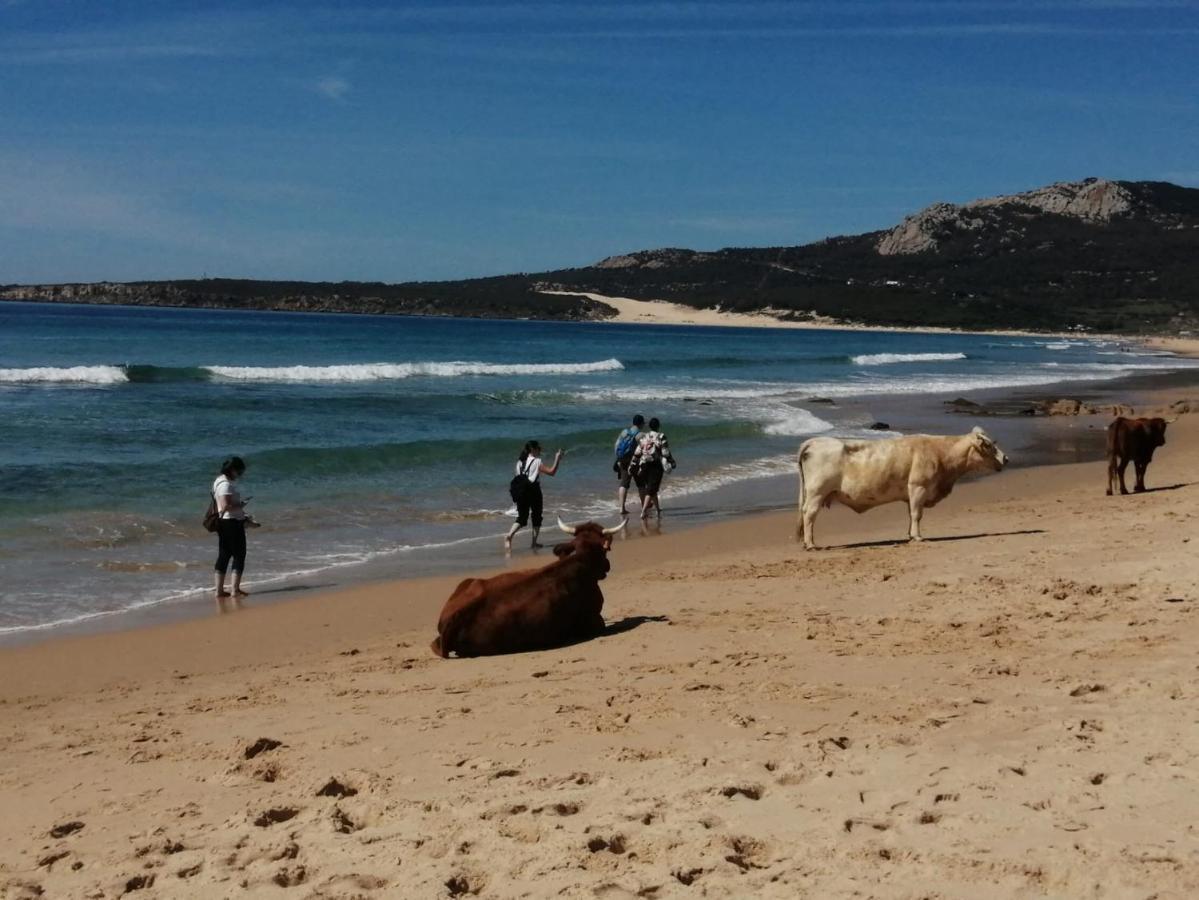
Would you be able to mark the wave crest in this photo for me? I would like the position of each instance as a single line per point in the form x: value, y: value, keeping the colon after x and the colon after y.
x: 351, y: 372
x: 64, y: 375
x: 885, y: 359
x: 389, y: 371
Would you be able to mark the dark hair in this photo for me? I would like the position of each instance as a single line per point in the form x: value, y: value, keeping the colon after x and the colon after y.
x: 654, y: 423
x: 530, y: 446
x: 638, y: 420
x: 233, y: 465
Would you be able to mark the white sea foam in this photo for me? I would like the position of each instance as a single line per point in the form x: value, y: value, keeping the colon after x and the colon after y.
x: 793, y: 420
x: 388, y: 371
x: 64, y: 375
x: 886, y: 359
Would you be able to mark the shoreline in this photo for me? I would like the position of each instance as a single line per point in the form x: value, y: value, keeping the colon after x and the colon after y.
x: 999, y: 709
x: 1057, y: 437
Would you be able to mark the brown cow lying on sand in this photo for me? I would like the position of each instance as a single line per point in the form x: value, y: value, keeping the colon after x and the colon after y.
x: 920, y: 469
x: 1132, y: 440
x: 533, y: 609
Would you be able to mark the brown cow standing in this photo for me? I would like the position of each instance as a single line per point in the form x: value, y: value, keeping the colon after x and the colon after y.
x: 1132, y: 440
x: 533, y: 609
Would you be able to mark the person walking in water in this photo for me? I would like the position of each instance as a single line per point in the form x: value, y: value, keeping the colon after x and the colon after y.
x: 626, y: 445
x: 526, y: 490
x: 231, y: 525
x: 649, y: 465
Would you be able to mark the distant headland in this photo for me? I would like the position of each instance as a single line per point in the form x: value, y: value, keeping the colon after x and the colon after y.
x: 1091, y: 255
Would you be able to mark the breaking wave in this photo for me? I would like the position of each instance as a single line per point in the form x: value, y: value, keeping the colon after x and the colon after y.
x: 64, y: 375
x: 886, y: 359
x: 142, y: 374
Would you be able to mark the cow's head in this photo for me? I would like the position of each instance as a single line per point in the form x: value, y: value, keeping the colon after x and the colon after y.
x: 984, y: 452
x: 589, y: 540
x: 1157, y: 432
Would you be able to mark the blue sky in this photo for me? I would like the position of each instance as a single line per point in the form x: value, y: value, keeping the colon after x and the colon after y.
x: 441, y: 140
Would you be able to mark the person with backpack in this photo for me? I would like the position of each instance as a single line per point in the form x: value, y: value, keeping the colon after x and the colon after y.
x: 626, y: 445
x: 649, y: 465
x: 231, y: 521
x: 525, y: 490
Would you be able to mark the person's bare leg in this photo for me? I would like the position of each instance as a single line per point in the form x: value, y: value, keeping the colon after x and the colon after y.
x: 220, y: 585
x: 622, y: 496
x: 237, y: 588
x: 516, y: 526
x: 536, y: 534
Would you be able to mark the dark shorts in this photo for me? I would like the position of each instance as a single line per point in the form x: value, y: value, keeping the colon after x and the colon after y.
x: 530, y: 503
x: 649, y: 478
x: 623, y: 475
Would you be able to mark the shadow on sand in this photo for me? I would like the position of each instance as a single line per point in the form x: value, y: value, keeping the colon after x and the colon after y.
x: 628, y: 623
x: 936, y: 540
x: 1168, y: 487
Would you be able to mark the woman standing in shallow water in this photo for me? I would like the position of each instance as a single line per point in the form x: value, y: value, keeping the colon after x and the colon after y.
x: 231, y: 525
x: 529, y: 501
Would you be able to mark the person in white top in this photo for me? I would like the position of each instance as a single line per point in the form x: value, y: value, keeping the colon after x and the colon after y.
x: 527, y: 490
x: 231, y: 525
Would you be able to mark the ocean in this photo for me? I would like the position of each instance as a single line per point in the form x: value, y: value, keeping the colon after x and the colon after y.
x: 382, y: 446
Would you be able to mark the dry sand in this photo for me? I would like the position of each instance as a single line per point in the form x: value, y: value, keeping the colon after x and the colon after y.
x: 1008, y: 710
x: 663, y: 312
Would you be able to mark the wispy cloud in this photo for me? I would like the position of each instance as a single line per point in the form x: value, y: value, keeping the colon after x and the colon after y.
x: 334, y: 87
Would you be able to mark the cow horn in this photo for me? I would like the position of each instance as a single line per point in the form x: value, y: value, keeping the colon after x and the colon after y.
x: 620, y: 527
x: 569, y: 529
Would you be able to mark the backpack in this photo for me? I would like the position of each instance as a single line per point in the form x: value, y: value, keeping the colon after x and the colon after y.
x: 651, y: 450
x: 211, y: 516
x: 519, y: 484
x: 626, y: 445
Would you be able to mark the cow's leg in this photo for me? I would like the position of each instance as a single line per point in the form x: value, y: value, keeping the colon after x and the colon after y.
x: 1111, y: 474
x: 1123, y: 465
x: 1140, y: 470
x: 916, y: 496
x: 811, y: 507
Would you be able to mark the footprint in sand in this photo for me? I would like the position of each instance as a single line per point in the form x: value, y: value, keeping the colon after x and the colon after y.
x: 275, y: 816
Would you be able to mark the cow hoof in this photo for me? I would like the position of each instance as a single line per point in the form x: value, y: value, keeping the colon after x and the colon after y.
x: 1109, y: 492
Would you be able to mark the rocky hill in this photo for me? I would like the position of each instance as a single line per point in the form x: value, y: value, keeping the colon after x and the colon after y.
x: 1093, y: 255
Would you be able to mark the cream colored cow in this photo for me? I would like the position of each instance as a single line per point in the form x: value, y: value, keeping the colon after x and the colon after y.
x: 920, y: 469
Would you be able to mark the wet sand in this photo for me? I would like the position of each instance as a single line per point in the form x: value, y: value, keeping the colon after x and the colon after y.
x: 1004, y: 711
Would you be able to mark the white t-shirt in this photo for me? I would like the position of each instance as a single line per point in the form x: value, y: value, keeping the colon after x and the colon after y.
x: 531, y: 467
x: 223, y: 487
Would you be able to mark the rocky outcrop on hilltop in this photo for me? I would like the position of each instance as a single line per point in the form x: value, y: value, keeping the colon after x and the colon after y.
x: 1091, y: 200
x: 650, y: 259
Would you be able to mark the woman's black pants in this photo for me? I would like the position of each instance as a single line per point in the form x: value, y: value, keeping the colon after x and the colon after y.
x: 232, y: 546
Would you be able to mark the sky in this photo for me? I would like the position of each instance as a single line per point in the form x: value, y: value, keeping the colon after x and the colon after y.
x: 436, y: 140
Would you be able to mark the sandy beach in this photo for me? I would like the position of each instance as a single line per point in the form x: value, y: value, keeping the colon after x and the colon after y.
x: 630, y: 311
x: 1003, y: 711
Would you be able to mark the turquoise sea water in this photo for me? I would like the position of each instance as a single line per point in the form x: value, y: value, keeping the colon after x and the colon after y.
x: 391, y: 440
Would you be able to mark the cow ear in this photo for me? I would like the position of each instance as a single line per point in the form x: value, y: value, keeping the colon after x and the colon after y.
x: 564, y: 549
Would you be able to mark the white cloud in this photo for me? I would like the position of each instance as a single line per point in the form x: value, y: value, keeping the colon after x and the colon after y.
x: 332, y: 86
